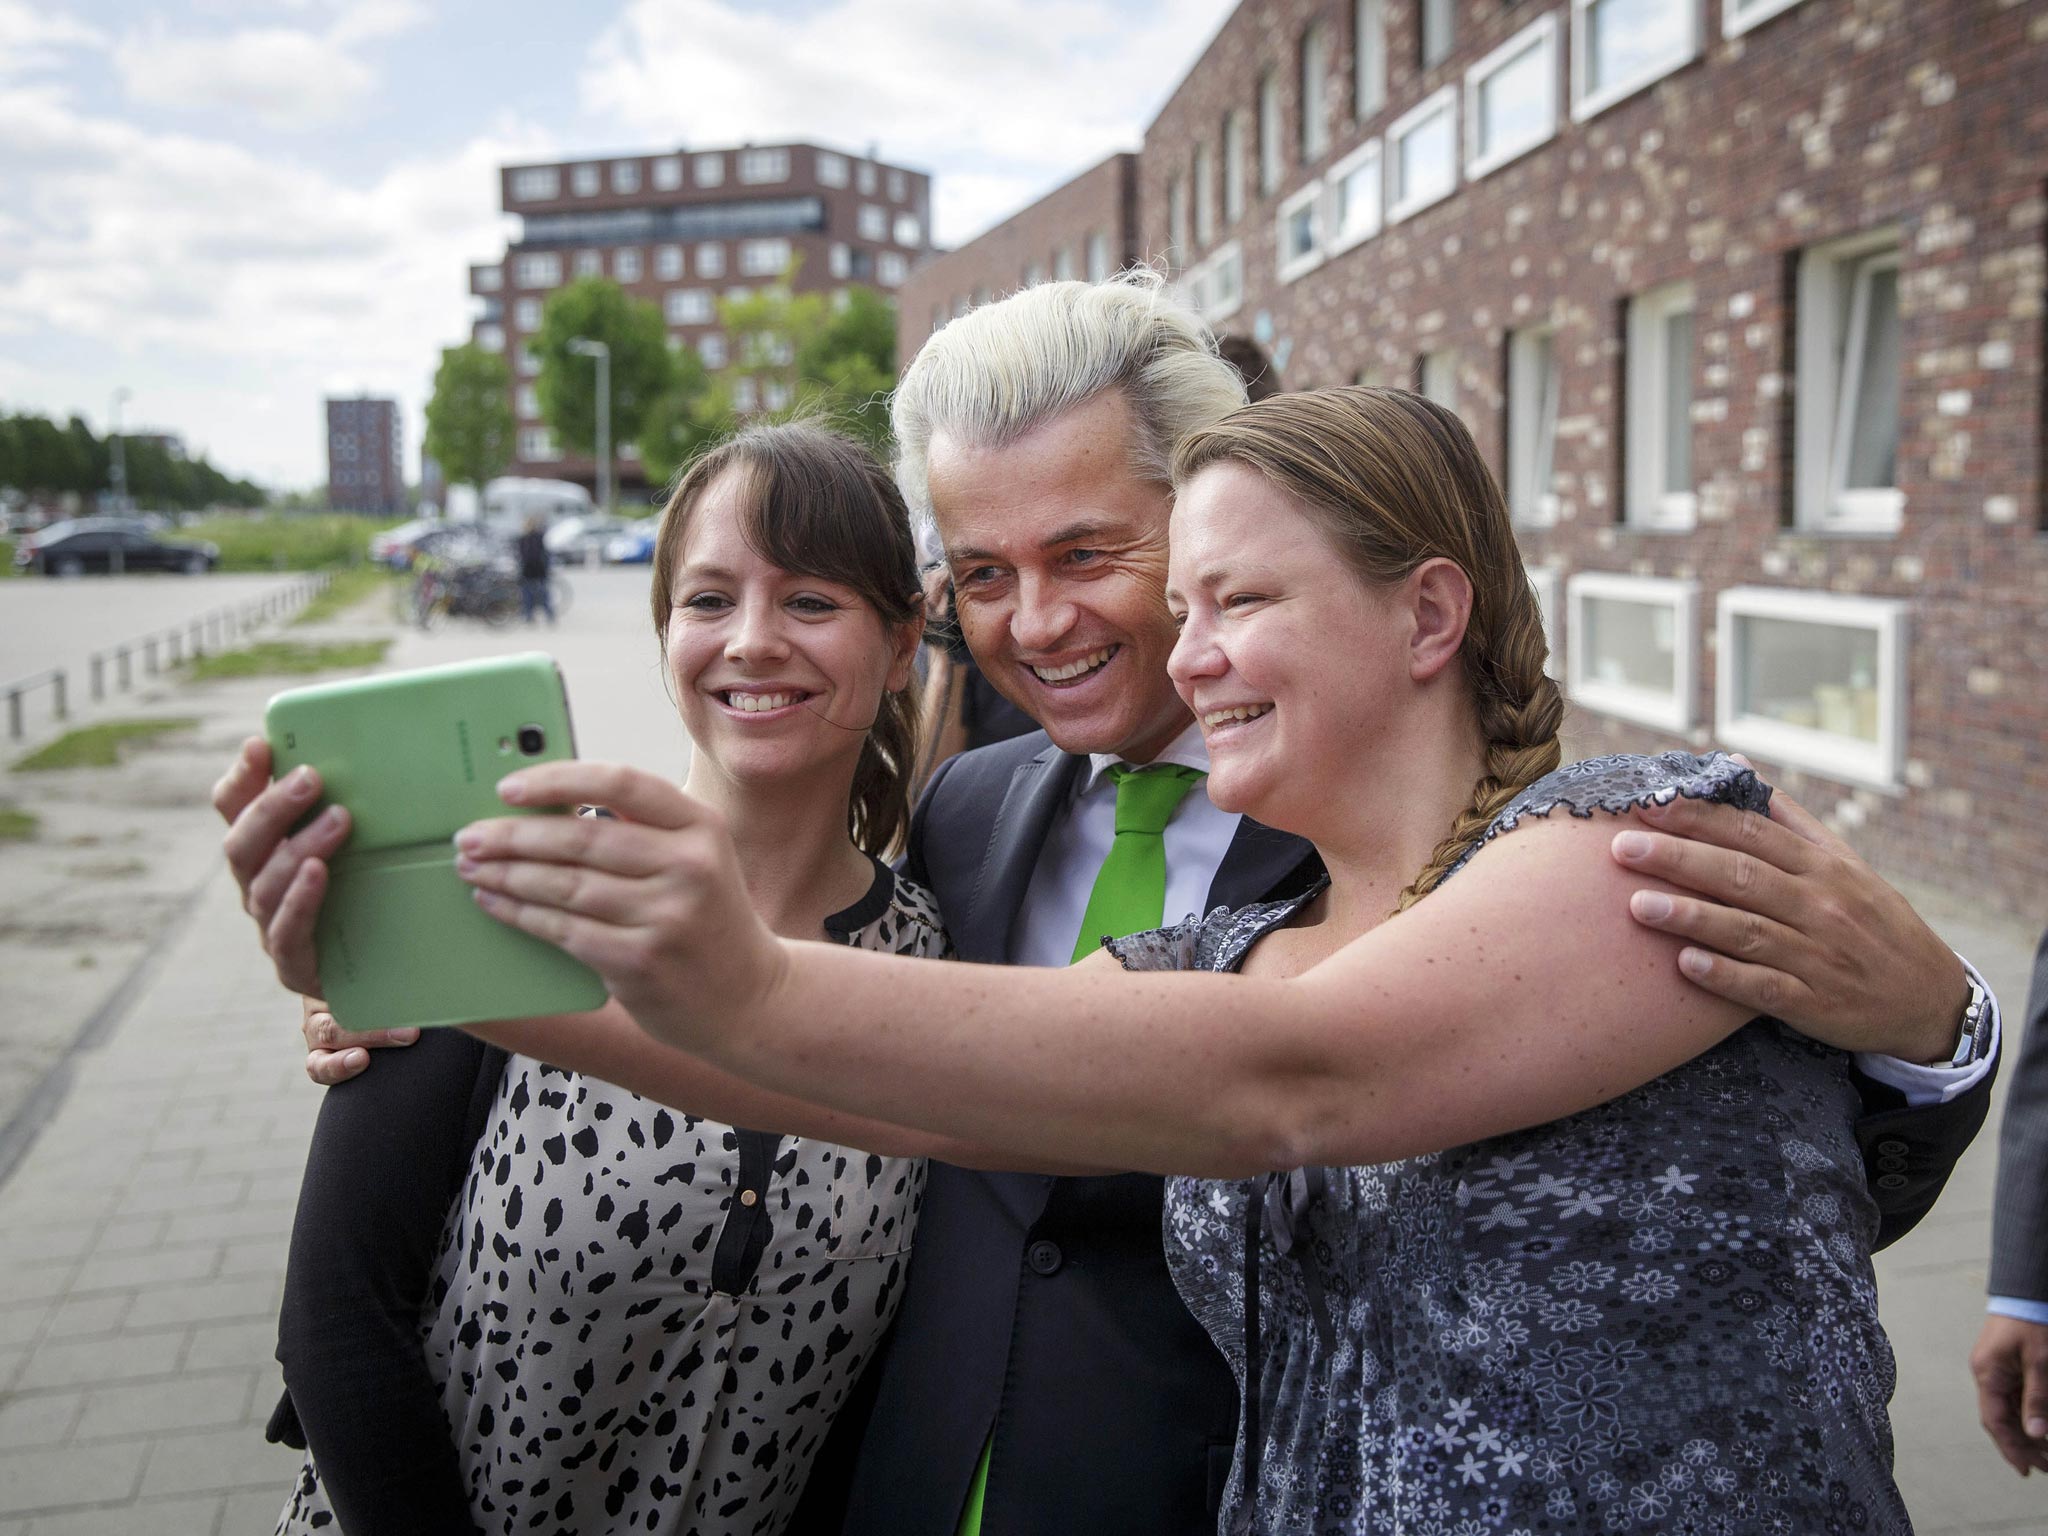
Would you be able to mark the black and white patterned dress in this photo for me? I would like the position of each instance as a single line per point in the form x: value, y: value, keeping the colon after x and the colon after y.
x: 1655, y: 1316
x: 644, y: 1321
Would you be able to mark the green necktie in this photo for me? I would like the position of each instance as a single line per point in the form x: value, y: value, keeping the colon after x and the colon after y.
x: 1129, y: 896
x: 1130, y: 889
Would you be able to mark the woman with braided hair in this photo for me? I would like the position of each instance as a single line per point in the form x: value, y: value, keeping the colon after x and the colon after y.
x: 1501, y: 1225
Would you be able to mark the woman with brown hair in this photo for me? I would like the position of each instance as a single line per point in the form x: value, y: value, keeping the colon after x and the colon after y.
x: 1502, y: 1225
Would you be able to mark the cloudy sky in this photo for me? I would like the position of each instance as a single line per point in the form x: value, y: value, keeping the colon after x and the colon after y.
x: 234, y: 207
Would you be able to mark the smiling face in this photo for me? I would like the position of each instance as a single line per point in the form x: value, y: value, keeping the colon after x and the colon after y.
x: 776, y: 675
x: 1296, y: 668
x: 1058, y: 557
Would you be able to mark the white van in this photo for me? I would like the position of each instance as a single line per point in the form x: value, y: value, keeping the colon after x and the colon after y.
x: 511, y: 500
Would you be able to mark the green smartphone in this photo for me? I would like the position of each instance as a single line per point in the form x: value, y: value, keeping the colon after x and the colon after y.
x: 415, y: 757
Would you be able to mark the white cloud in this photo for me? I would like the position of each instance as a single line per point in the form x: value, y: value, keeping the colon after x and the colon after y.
x: 286, y: 77
x: 1025, y: 91
x: 33, y: 40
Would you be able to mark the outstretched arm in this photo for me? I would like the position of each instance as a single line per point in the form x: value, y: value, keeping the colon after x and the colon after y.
x: 1528, y: 1019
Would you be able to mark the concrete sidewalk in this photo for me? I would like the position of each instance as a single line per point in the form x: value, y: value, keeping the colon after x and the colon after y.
x: 143, y: 1235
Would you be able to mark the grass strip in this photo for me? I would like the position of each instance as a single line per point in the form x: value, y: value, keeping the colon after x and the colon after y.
x: 17, y: 825
x: 98, y: 746
x: 344, y: 591
x: 288, y: 658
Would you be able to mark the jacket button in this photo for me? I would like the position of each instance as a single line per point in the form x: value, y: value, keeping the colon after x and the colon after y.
x: 1891, y: 1146
x: 1044, y: 1257
x: 1891, y: 1181
x: 1890, y: 1164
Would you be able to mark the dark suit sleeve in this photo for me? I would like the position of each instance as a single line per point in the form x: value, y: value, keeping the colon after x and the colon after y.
x: 915, y: 866
x: 388, y: 1156
x: 2019, y: 1215
x: 1909, y: 1152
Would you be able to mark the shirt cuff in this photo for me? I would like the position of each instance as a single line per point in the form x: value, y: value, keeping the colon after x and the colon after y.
x: 1925, y: 1086
x: 2019, y: 1307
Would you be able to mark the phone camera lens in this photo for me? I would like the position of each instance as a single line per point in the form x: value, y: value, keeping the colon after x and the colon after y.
x: 532, y: 740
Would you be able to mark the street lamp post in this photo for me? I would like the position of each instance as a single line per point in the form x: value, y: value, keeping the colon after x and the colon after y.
x: 584, y: 347
x: 119, y: 468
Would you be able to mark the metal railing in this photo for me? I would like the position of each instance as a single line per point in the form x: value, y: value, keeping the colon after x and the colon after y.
x: 214, y: 631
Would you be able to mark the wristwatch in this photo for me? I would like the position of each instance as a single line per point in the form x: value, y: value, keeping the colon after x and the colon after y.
x: 1976, y: 1018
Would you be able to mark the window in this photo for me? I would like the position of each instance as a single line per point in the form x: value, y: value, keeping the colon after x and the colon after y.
x: 529, y: 401
x: 1620, y: 46
x: 864, y: 178
x: 1205, y: 196
x: 1315, y: 74
x: 626, y: 265
x: 668, y: 173
x: 1511, y: 98
x: 529, y: 364
x: 625, y: 175
x: 1634, y: 644
x: 711, y: 349
x: 709, y: 170
x: 1438, y: 30
x: 710, y: 260
x: 738, y: 293
x: 832, y: 169
x: 1298, y: 229
x: 488, y: 279
x: 1098, y: 256
x: 537, y: 271
x: 1422, y: 155
x: 763, y: 165
x: 1813, y: 679
x: 909, y: 230
x: 1354, y: 198
x: 840, y: 259
x: 1436, y: 378
x: 1369, y: 58
x: 1269, y: 134
x: 1063, y: 264
x: 687, y: 306
x: 586, y: 180
x: 1233, y: 167
x: 899, y: 186
x: 1533, y: 388
x: 668, y: 262
x: 774, y: 395
x: 1738, y: 16
x: 590, y: 264
x: 764, y: 258
x: 744, y: 396
x: 1658, y: 430
x: 1215, y: 287
x: 537, y: 445
x: 873, y: 222
x: 1177, y: 221
x: 1547, y: 582
x: 491, y: 337
x: 526, y: 314
x: 891, y: 269
x: 536, y: 185
x: 1032, y: 275
x: 1846, y: 405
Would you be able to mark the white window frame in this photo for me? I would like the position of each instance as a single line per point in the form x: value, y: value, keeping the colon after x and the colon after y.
x: 529, y: 365
x: 1541, y: 34
x: 491, y: 337
x: 526, y: 314
x: 872, y: 222
x: 1272, y: 166
x: 667, y: 173
x: 1177, y: 241
x: 1287, y: 268
x: 625, y: 176
x: 1532, y: 504
x: 1442, y: 102
x: 1063, y: 264
x: 864, y: 177
x: 714, y: 266
x: 587, y: 179
x: 537, y: 445
x: 688, y: 306
x: 1645, y: 706
x: 537, y: 269
x: 1205, y: 196
x: 1738, y: 16
x: 627, y: 264
x: 708, y: 170
x: 1589, y: 103
x: 761, y: 167
x: 489, y: 279
x: 1649, y: 503
x: 908, y: 230
x: 1204, y: 285
x: 1313, y: 101
x: 528, y: 400
x: 898, y: 186
x: 1877, y: 765
x: 1335, y: 241
x: 764, y: 256
x: 1830, y: 341
x: 1548, y: 583
x: 1445, y: 15
x: 1232, y: 154
x: 1446, y: 360
x: 1098, y: 256
x: 536, y: 184
x: 891, y: 268
x: 668, y: 263
x: 711, y: 349
x: 588, y: 264
x: 839, y: 259
x: 830, y: 169
x: 1368, y: 58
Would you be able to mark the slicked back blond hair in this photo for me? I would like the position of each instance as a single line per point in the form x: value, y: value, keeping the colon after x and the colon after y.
x: 998, y: 371
x: 1395, y: 480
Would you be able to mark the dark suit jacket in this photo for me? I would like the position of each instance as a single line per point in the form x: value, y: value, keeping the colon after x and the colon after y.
x: 1050, y: 1300
x: 2019, y: 1216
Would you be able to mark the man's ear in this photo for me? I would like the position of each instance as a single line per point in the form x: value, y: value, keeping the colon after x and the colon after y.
x: 1438, y: 596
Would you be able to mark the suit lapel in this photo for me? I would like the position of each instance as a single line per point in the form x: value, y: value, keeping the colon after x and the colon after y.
x: 1037, y: 791
x: 1261, y: 865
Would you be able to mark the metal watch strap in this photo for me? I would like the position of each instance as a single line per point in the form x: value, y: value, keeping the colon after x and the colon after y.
x: 1970, y: 1041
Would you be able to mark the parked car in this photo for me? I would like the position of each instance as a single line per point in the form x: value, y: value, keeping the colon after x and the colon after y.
x: 464, y: 544
x: 573, y: 539
x: 393, y: 547
x: 634, y: 547
x: 109, y: 543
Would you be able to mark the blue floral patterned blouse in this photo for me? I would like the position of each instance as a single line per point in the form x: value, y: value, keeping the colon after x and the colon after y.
x: 1655, y: 1316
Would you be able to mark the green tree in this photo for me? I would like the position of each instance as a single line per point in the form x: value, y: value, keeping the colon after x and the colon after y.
x: 848, y: 366
x: 690, y: 414
x: 469, y: 416
x: 642, y: 367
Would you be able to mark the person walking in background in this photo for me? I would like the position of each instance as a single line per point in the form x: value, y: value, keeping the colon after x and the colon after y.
x: 2010, y: 1361
x: 535, y: 566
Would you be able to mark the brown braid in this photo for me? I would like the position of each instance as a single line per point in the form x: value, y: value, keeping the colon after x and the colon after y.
x: 1395, y: 480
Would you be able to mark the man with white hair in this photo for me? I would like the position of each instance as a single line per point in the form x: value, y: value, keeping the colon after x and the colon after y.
x: 1043, y: 1376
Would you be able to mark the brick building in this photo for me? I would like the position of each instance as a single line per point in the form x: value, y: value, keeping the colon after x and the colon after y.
x: 1743, y: 301
x: 365, y: 459
x: 683, y: 229
x: 1086, y: 228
